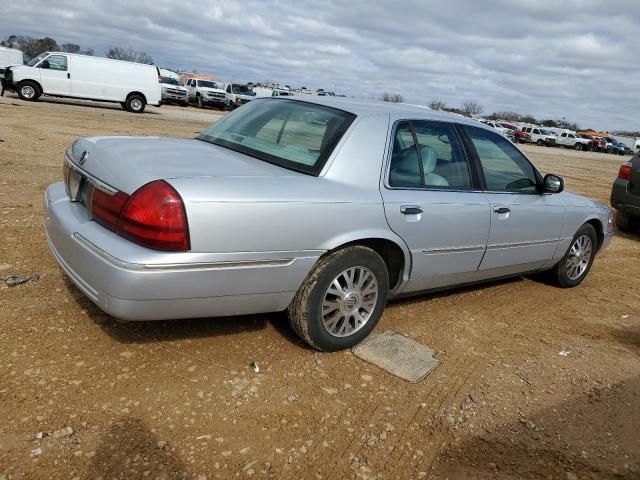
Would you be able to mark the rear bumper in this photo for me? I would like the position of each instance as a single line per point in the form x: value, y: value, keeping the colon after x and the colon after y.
x: 135, y: 283
x: 623, y: 200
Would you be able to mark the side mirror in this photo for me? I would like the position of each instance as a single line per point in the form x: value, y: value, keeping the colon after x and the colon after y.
x: 45, y: 64
x: 552, y: 184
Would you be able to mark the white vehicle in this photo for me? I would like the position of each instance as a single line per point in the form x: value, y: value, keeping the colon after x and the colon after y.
x: 8, y: 57
x: 172, y: 91
x: 205, y: 92
x: 540, y: 136
x: 571, y: 139
x: 237, y: 94
x: 133, y: 85
x: 499, y: 128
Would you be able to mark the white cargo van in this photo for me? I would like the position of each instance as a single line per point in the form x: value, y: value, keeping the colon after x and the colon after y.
x: 58, y: 74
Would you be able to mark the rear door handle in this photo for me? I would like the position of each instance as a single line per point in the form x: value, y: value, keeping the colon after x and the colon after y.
x: 410, y: 209
x: 501, y: 210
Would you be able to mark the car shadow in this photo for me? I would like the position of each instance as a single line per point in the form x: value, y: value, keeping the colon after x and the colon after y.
x: 594, y: 435
x: 79, y: 103
x: 129, y: 450
x: 137, y: 332
x: 628, y: 337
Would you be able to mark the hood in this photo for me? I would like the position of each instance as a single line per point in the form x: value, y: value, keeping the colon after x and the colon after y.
x: 127, y: 163
x: 175, y: 87
x: 212, y: 90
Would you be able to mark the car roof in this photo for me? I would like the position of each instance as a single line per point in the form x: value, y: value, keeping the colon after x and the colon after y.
x: 368, y: 108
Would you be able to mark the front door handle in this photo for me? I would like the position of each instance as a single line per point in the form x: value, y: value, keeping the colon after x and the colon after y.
x: 68, y: 75
x: 502, y: 210
x: 410, y: 209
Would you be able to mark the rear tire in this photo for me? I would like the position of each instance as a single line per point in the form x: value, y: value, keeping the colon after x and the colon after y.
x: 576, y: 263
x: 28, y: 91
x: 341, y: 300
x: 135, y: 103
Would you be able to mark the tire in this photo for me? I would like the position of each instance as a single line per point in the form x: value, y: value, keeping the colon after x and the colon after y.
x: 540, y: 143
x: 305, y: 311
x: 28, y: 91
x: 569, y: 272
x: 199, y: 102
x: 578, y: 146
x: 626, y: 222
x: 135, y: 103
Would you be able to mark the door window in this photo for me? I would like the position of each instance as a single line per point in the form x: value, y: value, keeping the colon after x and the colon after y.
x: 57, y: 62
x: 505, y: 168
x: 428, y: 155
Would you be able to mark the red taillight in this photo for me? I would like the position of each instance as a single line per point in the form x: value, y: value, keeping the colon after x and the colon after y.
x: 105, y: 208
x: 625, y: 171
x: 154, y: 216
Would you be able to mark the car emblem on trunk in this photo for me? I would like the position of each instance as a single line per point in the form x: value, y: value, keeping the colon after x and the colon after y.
x: 83, y: 157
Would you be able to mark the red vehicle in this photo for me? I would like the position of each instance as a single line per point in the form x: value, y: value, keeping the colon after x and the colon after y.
x: 597, y: 143
x: 518, y: 135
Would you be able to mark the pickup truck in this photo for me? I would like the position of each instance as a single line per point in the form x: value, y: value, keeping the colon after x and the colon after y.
x: 573, y: 140
x: 205, y: 92
x: 236, y: 95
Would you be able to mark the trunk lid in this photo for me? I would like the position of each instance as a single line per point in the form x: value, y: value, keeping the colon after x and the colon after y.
x: 127, y: 163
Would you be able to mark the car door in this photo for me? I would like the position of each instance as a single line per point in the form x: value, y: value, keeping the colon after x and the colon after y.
x: 55, y: 77
x: 431, y: 201
x: 525, y: 225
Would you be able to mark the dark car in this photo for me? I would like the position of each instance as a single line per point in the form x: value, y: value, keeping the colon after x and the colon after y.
x: 625, y: 195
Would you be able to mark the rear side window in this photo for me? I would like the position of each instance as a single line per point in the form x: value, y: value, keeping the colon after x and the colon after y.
x: 505, y: 168
x: 292, y: 134
x: 428, y: 155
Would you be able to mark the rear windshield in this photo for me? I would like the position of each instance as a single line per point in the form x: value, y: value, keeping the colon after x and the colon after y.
x: 296, y: 135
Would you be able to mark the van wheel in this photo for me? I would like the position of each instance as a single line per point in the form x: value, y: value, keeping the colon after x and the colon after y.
x: 341, y: 300
x: 540, y: 143
x: 135, y: 103
x: 29, y: 91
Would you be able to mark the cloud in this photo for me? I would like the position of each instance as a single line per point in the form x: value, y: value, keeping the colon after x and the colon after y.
x: 578, y: 60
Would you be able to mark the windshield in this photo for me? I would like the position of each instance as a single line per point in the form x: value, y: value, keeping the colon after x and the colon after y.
x: 35, y: 60
x: 242, y: 90
x: 296, y: 135
x: 545, y: 132
x: 169, y: 80
x: 207, y: 84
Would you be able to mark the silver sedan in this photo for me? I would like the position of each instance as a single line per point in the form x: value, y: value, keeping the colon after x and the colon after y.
x: 323, y: 207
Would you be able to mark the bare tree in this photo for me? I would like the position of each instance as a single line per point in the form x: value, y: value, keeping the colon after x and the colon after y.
x: 471, y: 107
x: 392, y: 97
x: 508, y: 116
x: 129, y: 54
x: 10, y: 42
x: 438, y: 105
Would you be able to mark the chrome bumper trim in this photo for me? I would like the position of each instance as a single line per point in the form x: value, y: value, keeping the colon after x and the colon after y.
x: 178, y: 266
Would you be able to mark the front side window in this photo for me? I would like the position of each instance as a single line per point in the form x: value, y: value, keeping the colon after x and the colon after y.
x: 296, y: 135
x: 34, y: 61
x: 56, y: 62
x: 505, y: 168
x: 428, y: 155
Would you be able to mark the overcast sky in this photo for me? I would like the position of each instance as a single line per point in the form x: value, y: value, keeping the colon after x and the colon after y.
x: 573, y: 59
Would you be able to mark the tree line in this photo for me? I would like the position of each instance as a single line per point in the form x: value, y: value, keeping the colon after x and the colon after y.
x: 31, y: 47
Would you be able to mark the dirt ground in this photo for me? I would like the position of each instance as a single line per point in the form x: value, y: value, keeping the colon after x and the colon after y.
x: 179, y: 399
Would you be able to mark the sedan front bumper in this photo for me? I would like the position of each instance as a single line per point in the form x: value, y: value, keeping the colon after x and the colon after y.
x: 132, y: 282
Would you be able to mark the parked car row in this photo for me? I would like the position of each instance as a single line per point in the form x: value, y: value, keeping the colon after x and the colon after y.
x: 560, y: 138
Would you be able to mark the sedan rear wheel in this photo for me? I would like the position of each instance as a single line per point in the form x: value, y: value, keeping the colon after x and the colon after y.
x: 575, y: 265
x: 341, y: 300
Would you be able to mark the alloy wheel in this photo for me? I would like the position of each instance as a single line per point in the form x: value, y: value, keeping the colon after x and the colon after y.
x: 579, y: 257
x: 349, y: 301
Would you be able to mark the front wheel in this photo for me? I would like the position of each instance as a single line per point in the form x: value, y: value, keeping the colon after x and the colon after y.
x: 199, y: 102
x: 540, y: 143
x: 341, y: 300
x: 578, y: 146
x: 28, y: 90
x: 576, y: 263
x: 625, y: 222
